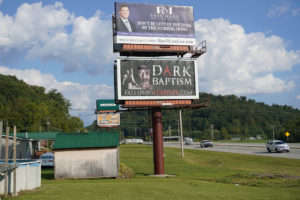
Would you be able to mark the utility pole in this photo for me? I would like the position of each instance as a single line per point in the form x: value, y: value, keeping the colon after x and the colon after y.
x: 212, y: 132
x: 273, y: 127
x: 170, y: 132
x: 181, y: 134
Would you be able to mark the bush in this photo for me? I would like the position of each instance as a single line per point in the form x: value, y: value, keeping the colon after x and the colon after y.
x: 125, y: 172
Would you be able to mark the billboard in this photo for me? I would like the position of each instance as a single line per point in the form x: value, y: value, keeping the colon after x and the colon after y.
x: 108, y: 119
x: 143, y: 79
x: 154, y: 24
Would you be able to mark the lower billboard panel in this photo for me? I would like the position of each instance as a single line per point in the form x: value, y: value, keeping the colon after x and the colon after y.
x: 142, y: 79
x: 108, y: 119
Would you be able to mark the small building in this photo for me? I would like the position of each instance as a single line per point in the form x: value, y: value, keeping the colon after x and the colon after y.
x: 24, y: 147
x: 86, y: 155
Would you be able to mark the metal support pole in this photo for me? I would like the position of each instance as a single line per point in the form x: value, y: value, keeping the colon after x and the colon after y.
x: 1, y: 130
x: 15, y: 162
x: 149, y: 125
x: 181, y: 134
x: 158, y: 152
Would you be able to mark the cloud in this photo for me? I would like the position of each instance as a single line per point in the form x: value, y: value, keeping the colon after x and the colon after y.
x: 53, y: 33
x: 298, y: 97
x: 240, y: 63
x: 284, y: 9
x: 235, y: 62
x: 1, y: 1
x: 81, y: 96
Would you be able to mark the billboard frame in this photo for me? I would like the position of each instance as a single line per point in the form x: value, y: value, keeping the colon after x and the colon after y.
x: 117, y: 77
x: 184, y: 35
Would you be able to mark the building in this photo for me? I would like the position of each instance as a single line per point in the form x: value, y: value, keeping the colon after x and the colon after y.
x: 24, y: 147
x: 86, y: 155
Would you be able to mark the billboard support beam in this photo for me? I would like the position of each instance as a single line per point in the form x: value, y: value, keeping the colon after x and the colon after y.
x: 158, y: 152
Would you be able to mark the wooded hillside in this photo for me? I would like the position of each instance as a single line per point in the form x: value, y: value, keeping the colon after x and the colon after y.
x: 231, y: 117
x: 33, y: 109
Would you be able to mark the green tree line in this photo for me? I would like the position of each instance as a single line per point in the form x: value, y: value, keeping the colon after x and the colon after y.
x: 230, y: 116
x: 32, y: 109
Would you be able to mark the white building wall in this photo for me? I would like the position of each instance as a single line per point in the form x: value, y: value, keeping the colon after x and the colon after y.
x: 86, y: 163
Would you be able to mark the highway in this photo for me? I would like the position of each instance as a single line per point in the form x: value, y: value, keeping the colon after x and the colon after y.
x: 243, y: 148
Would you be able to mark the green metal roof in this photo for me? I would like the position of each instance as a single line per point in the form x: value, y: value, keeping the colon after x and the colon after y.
x: 37, y: 135
x: 86, y: 140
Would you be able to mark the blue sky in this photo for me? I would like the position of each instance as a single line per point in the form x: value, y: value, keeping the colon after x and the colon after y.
x: 253, y: 48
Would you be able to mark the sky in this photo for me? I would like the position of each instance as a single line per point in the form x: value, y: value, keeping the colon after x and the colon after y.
x: 253, y: 48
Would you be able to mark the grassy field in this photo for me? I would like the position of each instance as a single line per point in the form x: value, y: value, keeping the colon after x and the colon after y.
x: 199, y: 175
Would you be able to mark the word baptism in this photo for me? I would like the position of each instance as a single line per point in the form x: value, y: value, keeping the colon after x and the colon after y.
x: 174, y: 75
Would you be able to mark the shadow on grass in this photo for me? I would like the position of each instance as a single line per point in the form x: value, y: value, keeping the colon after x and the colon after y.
x: 143, y: 174
x: 48, y: 173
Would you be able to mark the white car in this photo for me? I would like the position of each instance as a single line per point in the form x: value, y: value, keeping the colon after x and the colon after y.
x: 47, y: 159
x: 277, y: 146
x: 188, y: 141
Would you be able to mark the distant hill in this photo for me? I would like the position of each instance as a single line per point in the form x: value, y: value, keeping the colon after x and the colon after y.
x: 31, y: 109
x: 231, y: 117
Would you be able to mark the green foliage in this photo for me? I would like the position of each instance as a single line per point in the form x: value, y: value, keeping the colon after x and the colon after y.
x: 31, y: 109
x: 125, y: 171
x: 231, y: 116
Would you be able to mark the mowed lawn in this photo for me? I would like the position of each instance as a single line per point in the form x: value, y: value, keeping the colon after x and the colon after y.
x: 199, y: 175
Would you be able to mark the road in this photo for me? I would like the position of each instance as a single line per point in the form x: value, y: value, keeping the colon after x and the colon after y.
x: 243, y: 148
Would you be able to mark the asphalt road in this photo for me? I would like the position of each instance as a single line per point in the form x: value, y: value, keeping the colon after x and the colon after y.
x: 243, y: 148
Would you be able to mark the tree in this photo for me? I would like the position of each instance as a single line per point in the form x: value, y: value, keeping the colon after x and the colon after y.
x: 75, y: 124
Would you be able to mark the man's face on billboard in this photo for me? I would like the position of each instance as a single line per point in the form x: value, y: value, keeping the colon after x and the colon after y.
x: 124, y: 12
x: 144, y: 75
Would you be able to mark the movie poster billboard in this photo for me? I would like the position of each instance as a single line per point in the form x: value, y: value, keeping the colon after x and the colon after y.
x: 108, y: 119
x: 154, y: 24
x: 142, y: 79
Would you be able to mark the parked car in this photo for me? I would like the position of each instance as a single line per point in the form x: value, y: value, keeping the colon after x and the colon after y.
x: 277, y: 146
x: 47, y: 159
x: 206, y: 143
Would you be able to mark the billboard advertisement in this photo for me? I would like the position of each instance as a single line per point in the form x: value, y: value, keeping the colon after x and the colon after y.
x: 154, y: 24
x: 143, y: 79
x: 108, y: 119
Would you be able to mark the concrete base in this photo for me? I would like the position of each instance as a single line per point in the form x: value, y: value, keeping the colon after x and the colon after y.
x: 162, y: 175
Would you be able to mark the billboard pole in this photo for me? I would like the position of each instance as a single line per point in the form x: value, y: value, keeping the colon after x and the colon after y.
x: 158, y: 153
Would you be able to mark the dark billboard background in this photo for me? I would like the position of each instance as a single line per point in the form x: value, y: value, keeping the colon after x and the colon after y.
x: 157, y: 78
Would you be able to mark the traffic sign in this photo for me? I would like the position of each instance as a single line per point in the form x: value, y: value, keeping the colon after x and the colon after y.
x: 106, y: 105
x: 287, y: 134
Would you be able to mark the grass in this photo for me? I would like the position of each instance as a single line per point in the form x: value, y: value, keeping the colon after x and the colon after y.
x: 200, y: 174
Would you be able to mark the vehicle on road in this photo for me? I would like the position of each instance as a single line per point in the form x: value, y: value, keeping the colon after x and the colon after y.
x: 277, y: 146
x: 206, y: 143
x: 47, y: 159
x: 188, y: 141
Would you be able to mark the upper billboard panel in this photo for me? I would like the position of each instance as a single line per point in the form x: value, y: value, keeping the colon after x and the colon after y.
x: 154, y: 24
x: 156, y: 79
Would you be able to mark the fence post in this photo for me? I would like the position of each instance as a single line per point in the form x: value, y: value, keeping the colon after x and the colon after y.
x: 15, y: 163
x: 6, y: 163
